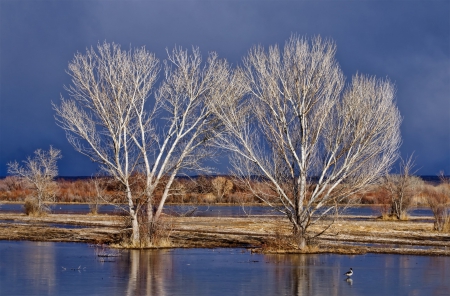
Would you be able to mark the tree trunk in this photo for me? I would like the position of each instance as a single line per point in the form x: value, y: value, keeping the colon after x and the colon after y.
x: 134, y: 218
x: 135, y: 229
x: 150, y: 217
x: 39, y: 200
x: 300, y: 237
x: 150, y: 209
x: 301, y: 242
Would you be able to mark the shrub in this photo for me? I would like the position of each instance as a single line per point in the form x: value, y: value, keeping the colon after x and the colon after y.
x: 438, y: 198
x: 402, y: 188
x: 222, y: 187
x: 209, y: 198
x: 32, y: 207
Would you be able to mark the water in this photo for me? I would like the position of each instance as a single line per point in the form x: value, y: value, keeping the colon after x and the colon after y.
x: 37, y: 268
x: 205, y: 210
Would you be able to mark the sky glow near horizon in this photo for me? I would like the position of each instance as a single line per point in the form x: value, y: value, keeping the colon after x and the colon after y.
x: 405, y: 41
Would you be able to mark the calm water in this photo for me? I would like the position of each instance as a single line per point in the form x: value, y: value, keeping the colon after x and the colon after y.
x: 205, y: 211
x: 36, y: 268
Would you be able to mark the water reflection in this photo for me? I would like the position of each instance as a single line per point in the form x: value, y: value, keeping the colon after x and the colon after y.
x: 30, y: 268
x: 308, y: 274
x: 300, y: 280
x: 148, y: 272
x: 37, y: 268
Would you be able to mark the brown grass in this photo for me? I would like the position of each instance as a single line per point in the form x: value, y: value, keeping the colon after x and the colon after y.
x: 388, y: 217
x: 32, y: 208
x: 446, y: 227
x: 159, y: 237
x: 270, y: 235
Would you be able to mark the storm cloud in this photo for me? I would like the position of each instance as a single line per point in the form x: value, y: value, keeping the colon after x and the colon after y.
x: 405, y: 41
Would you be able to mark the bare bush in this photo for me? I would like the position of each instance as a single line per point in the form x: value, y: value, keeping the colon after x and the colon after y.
x: 39, y: 172
x: 13, y: 183
x: 438, y: 199
x: 97, y: 196
x: 14, y: 188
x: 401, y: 189
x: 222, y: 186
x: 31, y: 207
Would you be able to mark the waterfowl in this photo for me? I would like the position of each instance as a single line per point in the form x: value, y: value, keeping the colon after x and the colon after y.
x: 349, y: 273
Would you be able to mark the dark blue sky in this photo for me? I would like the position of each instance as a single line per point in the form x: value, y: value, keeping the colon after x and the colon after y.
x: 406, y: 41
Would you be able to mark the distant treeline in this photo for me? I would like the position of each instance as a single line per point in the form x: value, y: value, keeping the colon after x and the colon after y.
x: 194, y: 189
x: 427, y: 178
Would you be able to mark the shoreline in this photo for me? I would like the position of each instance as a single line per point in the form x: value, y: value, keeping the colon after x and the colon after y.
x: 346, y: 236
x: 247, y: 204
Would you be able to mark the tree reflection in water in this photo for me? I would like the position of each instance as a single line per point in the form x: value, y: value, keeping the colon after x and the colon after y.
x: 308, y: 274
x: 41, y: 270
x: 30, y: 268
x: 148, y: 271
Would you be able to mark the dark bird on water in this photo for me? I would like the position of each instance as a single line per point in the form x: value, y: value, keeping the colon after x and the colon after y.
x: 349, y: 273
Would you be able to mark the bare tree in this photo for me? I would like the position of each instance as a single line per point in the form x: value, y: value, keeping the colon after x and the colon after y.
x: 106, y: 110
x: 401, y: 189
x: 438, y: 199
x: 107, y: 118
x: 185, y: 96
x: 291, y: 124
x: 98, y: 184
x: 39, y: 171
x: 222, y: 186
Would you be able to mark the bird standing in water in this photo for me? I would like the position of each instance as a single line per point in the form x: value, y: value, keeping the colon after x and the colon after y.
x: 349, y: 273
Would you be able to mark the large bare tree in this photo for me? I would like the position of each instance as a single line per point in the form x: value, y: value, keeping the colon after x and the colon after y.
x: 39, y: 171
x: 142, y: 142
x: 106, y: 109
x: 295, y: 128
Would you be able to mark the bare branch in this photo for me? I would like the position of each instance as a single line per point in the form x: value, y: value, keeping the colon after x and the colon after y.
x: 39, y: 171
x: 291, y: 123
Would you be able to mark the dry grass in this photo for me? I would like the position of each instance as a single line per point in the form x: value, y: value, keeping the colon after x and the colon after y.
x: 158, y: 237
x: 32, y: 208
x: 161, y: 244
x: 270, y: 235
x: 389, y: 217
x: 446, y: 227
x: 282, y: 240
